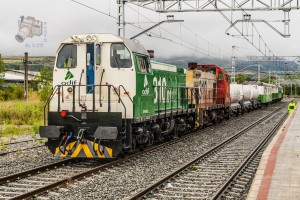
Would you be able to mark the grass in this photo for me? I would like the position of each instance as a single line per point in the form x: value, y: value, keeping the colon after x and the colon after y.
x: 21, y: 112
x: 20, y: 117
x: 195, y: 167
x: 3, y: 146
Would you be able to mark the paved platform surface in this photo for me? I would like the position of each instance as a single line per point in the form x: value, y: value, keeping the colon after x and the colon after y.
x: 278, y: 174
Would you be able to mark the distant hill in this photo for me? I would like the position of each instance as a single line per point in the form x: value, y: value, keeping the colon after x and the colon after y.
x: 281, y: 65
x: 35, y: 63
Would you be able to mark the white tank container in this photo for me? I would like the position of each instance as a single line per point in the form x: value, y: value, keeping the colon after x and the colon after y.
x: 248, y: 92
x: 255, y: 92
x: 236, y: 92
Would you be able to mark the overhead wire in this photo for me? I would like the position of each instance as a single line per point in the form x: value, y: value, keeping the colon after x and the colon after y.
x: 197, y: 35
x: 158, y: 36
x: 172, y: 34
x: 180, y: 38
x: 241, y: 33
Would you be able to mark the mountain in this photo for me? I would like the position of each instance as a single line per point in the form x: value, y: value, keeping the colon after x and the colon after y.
x: 278, y: 65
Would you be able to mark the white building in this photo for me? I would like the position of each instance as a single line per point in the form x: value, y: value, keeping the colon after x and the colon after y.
x: 18, y: 76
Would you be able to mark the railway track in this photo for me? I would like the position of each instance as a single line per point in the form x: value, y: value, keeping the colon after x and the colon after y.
x: 238, y: 184
x: 51, y: 178
x: 44, y: 175
x: 20, y: 185
x: 223, y: 172
x: 18, y: 146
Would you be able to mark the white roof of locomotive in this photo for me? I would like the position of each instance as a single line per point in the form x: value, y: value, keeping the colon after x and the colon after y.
x: 109, y: 38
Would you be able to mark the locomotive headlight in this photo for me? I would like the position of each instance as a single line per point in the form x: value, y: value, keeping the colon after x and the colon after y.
x: 70, y: 89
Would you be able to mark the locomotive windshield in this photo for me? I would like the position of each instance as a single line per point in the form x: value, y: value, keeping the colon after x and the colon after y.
x: 143, y: 64
x: 120, y: 56
x: 67, y: 57
x: 211, y: 70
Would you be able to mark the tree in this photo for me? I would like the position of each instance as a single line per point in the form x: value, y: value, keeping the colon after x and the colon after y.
x: 240, y: 78
x: 2, y: 72
x: 44, y: 83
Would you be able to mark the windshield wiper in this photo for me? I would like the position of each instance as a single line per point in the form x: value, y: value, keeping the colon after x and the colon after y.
x: 117, y: 61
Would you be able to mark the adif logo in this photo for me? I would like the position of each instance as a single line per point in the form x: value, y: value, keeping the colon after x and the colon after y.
x: 146, y: 90
x: 145, y: 81
x: 69, y: 75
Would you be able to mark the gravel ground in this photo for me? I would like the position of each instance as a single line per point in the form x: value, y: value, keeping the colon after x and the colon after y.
x: 14, y: 188
x: 213, y: 170
x: 16, y: 138
x: 25, y: 160
x: 126, y: 179
x: 21, y: 145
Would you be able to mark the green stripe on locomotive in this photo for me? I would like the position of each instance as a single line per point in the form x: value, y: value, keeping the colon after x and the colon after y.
x: 156, y: 89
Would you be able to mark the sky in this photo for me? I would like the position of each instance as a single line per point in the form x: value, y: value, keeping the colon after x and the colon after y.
x: 203, y: 30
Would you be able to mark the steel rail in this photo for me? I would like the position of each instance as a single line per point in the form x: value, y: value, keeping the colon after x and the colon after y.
x: 142, y: 193
x: 18, y: 142
x: 33, y: 171
x: 223, y: 188
x: 14, y: 151
x: 99, y: 168
x: 104, y: 166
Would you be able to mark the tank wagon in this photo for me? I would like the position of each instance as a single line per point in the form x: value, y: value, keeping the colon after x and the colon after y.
x: 109, y: 97
x: 243, y: 98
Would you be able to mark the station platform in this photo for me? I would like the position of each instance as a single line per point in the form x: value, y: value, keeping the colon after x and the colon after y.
x: 278, y: 173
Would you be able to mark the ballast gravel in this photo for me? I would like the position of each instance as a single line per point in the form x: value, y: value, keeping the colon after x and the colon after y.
x: 126, y: 179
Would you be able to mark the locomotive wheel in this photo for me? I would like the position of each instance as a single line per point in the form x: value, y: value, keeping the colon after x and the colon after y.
x: 215, y: 121
x: 141, y: 147
x: 133, y: 144
x: 227, y: 114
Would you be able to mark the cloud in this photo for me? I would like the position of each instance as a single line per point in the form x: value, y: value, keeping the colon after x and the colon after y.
x: 65, y: 18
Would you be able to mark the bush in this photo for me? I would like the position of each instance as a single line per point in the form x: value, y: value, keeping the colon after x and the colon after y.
x: 21, y: 112
x: 19, y: 92
x: 12, y: 92
x: 45, y: 93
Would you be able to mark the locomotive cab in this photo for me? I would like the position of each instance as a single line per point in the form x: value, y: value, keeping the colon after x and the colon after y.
x: 93, y: 86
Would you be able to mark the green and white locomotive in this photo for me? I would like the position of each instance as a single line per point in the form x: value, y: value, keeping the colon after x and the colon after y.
x: 110, y: 97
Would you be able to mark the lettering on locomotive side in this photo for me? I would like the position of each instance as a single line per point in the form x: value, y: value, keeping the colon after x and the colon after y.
x: 70, y: 82
x: 160, y: 85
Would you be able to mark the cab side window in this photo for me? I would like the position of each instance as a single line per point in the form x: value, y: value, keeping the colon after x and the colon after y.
x: 98, y: 54
x: 120, y: 56
x: 143, y: 64
x: 220, y: 77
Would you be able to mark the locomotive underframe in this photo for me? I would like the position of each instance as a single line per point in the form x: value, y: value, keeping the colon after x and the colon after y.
x: 75, y: 131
